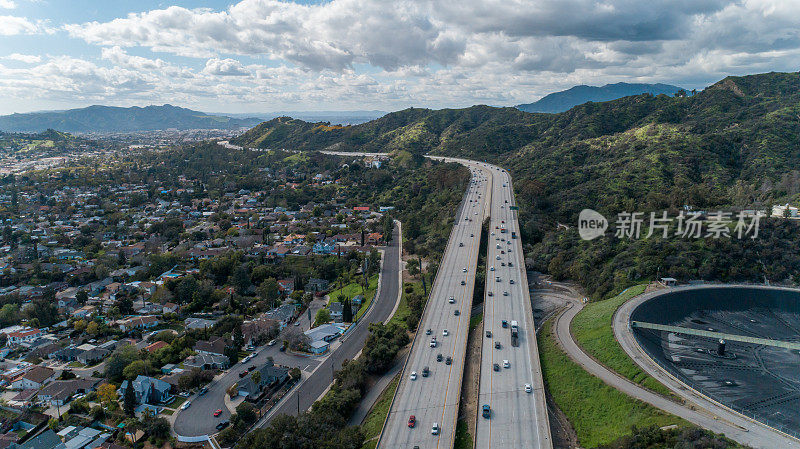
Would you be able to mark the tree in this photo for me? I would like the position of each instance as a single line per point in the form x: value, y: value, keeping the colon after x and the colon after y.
x: 137, y: 368
x: 256, y: 376
x: 81, y: 296
x: 129, y: 401
x: 347, y: 311
x: 295, y: 373
x: 107, y: 393
x: 241, y: 280
x: 93, y: 328
x: 119, y: 360
x: 323, y: 316
x: 238, y: 337
x: 246, y: 413
x: 269, y: 290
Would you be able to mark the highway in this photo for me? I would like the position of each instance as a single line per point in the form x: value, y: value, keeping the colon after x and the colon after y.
x: 434, y: 398
x: 517, y: 417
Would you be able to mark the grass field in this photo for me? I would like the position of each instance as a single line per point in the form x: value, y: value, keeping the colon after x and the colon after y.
x: 403, y: 311
x: 374, y: 420
x: 599, y: 413
x: 352, y: 289
x: 474, y: 321
x: 593, y: 332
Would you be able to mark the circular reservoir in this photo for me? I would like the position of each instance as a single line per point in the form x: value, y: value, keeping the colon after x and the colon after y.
x: 739, y: 345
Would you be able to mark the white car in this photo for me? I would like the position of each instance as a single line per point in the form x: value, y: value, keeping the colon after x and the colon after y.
x: 445, y: 333
x: 498, y: 257
x: 413, y: 375
x: 528, y: 388
x: 506, y: 364
x: 435, y: 429
x: 464, y: 270
x: 452, y: 300
x: 186, y: 405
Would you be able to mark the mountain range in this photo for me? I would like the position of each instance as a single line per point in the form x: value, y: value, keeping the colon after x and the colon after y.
x: 118, y: 119
x: 567, y: 99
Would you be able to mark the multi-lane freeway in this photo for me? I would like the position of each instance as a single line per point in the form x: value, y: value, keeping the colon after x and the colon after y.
x: 513, y: 391
x: 430, y: 384
x: 511, y: 383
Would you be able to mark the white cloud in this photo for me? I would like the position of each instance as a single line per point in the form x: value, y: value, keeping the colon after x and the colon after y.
x: 224, y: 67
x: 29, y: 59
x: 396, y: 53
x: 7, y: 4
x: 12, y: 25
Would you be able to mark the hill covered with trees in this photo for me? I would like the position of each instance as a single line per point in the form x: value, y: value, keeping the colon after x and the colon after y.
x: 732, y: 146
x: 567, y: 99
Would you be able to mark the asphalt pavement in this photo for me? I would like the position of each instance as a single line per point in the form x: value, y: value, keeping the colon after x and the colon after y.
x: 434, y: 398
x: 516, y: 418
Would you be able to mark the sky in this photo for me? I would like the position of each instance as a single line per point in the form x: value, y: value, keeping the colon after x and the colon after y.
x: 270, y: 55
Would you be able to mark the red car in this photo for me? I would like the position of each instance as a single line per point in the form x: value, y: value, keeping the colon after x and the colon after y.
x: 412, y: 421
x: 218, y: 412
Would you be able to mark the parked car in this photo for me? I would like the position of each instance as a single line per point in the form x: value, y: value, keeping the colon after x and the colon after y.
x: 217, y: 412
x: 186, y: 405
x: 222, y: 425
x: 244, y: 373
x: 203, y: 391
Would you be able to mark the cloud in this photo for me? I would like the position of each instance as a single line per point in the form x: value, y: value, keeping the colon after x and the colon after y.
x: 7, y: 4
x: 28, y: 59
x: 396, y: 53
x: 11, y: 25
x: 225, y: 67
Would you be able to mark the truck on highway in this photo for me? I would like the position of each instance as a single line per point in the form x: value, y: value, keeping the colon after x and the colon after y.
x: 513, y: 234
x: 514, y: 333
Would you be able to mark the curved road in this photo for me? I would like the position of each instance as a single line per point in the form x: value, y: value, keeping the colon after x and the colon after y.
x: 735, y: 428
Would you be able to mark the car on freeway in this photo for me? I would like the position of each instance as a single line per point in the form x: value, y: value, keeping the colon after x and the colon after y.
x: 488, y: 334
x: 497, y: 278
x: 496, y: 367
x: 460, y: 244
x: 487, y: 411
x: 456, y: 312
x: 425, y: 371
x: 472, y: 235
x: 498, y: 257
x: 445, y: 333
x: 186, y: 405
x: 452, y: 300
x: 439, y: 357
x: 504, y: 323
x: 463, y: 282
x: 464, y: 270
x: 217, y: 412
x: 506, y: 364
x: 412, y: 421
x: 497, y: 345
x: 490, y: 294
x: 505, y: 293
x: 435, y: 429
x: 428, y: 332
x: 448, y: 360
x: 528, y: 388
x: 433, y: 342
x: 413, y: 375
x: 510, y: 281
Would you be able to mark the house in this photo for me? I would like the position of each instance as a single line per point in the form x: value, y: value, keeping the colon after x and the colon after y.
x: 45, y: 440
x: 319, y: 347
x: 213, y: 347
x: 138, y: 322
x: 152, y: 347
x: 283, y: 314
x: 206, y: 361
x: 286, y: 286
x: 59, y: 392
x: 254, y: 330
x: 24, y: 335
x: 270, y: 375
x: 374, y: 238
x: 337, y: 309
x: 325, y: 332
x: 84, y: 312
x: 34, y: 378
x: 315, y: 285
x: 170, y: 307
x: 147, y: 390
x: 669, y: 282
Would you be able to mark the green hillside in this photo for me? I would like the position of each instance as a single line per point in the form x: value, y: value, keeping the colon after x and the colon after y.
x: 734, y: 145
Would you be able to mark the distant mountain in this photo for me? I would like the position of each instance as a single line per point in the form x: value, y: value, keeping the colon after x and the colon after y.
x: 116, y: 119
x: 334, y: 117
x: 566, y: 99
